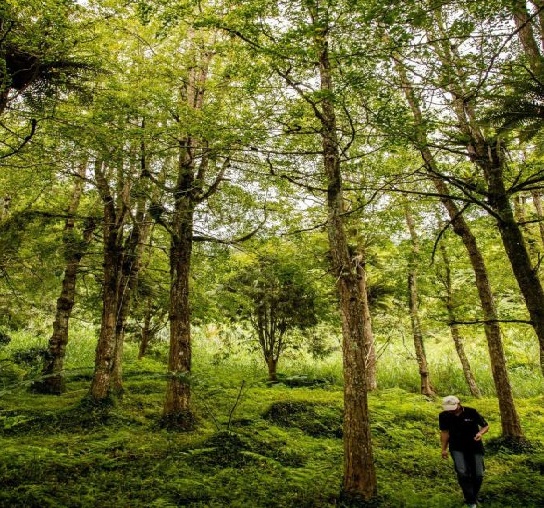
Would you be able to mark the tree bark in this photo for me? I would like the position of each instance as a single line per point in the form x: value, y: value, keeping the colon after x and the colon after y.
x: 359, y: 479
x: 413, y: 306
x: 130, y: 266
x: 272, y: 364
x: 524, y: 25
x: 177, y: 411
x: 537, y: 202
x: 113, y: 254
x: 147, y: 332
x: 454, y: 328
x: 52, y: 380
x: 370, y: 346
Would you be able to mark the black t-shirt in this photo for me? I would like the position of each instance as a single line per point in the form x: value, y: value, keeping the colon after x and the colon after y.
x: 462, y: 429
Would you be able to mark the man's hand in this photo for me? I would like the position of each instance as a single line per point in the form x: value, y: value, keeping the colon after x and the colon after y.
x: 445, y: 454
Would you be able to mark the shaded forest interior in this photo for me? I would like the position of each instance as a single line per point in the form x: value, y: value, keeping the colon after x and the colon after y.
x: 246, y: 247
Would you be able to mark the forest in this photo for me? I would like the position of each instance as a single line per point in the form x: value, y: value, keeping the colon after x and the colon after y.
x: 247, y: 247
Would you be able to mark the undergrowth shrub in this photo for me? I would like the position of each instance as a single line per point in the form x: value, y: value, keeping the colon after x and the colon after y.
x: 317, y: 420
x: 31, y: 357
x: 11, y: 374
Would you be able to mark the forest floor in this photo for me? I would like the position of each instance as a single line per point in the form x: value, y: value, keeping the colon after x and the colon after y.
x: 254, y: 446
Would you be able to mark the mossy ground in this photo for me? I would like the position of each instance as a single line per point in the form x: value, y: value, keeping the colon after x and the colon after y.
x: 254, y: 445
x: 282, y: 448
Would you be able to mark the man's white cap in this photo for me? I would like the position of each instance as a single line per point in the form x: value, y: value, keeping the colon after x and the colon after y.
x: 450, y: 402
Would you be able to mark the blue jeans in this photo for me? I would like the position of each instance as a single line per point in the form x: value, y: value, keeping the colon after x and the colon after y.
x: 470, y: 473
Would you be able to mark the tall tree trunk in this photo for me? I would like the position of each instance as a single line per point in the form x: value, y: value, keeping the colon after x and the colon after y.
x: 511, y: 426
x: 359, y: 479
x: 454, y: 327
x: 177, y: 412
x: 188, y: 190
x: 113, y: 255
x: 146, y: 333
x: 510, y: 422
x: 370, y: 346
x: 188, y: 193
x: 52, y: 372
x: 413, y: 305
x: 131, y: 264
x: 52, y: 380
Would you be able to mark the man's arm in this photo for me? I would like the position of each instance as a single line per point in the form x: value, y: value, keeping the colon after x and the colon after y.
x: 444, y: 440
x: 481, y: 432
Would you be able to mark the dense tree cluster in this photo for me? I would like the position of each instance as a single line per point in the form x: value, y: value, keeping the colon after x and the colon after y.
x: 377, y: 164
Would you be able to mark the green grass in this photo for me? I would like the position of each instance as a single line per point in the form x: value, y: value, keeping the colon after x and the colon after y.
x: 255, y: 445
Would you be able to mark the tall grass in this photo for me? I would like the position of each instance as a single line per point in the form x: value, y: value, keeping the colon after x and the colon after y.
x: 229, y: 356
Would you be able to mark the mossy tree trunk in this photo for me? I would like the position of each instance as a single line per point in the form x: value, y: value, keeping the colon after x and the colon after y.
x: 113, y: 222
x: 272, y: 364
x: 359, y: 478
x: 52, y: 380
x: 131, y: 264
x: 193, y: 163
x: 177, y: 406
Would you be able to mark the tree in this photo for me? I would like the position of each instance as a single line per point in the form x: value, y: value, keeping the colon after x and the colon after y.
x: 509, y: 417
x: 488, y: 153
x: 445, y: 73
x: 445, y: 276
x: 413, y: 306
x: 42, y: 59
x: 307, y: 56
x: 75, y: 247
x: 274, y: 291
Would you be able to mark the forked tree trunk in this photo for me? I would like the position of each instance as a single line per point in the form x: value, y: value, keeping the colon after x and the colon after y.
x: 188, y: 193
x: 413, y: 306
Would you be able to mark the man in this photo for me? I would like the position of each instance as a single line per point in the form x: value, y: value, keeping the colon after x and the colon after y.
x: 461, y: 429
